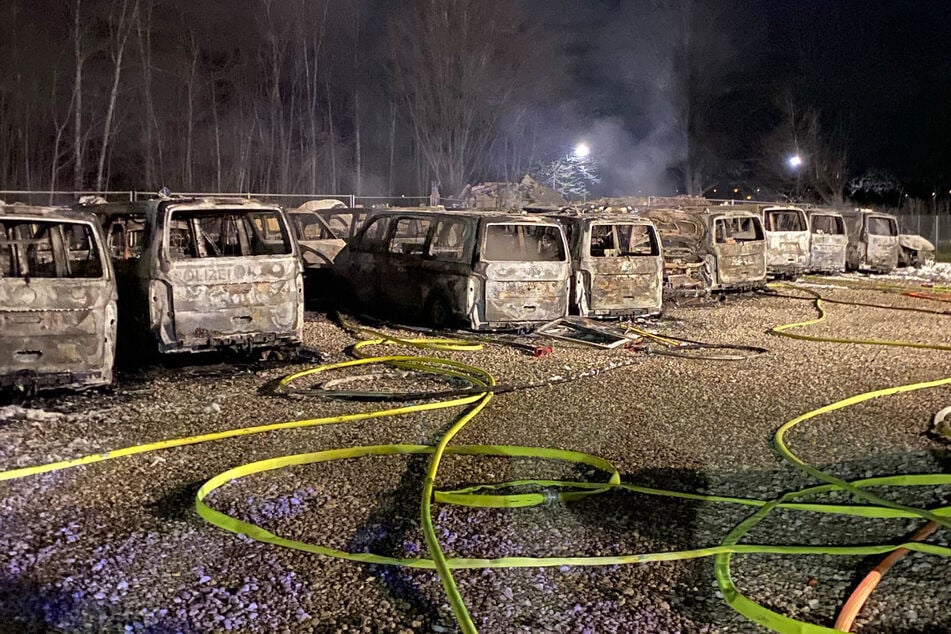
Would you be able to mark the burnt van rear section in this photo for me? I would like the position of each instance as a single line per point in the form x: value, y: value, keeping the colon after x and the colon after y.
x: 617, y: 265
x: 710, y: 249
x: 828, y: 241
x: 211, y: 274
x: 873, y: 241
x: 57, y: 300
x: 787, y: 241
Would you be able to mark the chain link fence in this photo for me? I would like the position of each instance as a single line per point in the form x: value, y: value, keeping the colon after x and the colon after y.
x: 66, y: 197
x: 936, y: 227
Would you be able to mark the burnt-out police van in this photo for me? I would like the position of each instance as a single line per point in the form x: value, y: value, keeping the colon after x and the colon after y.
x: 201, y: 274
x: 57, y: 300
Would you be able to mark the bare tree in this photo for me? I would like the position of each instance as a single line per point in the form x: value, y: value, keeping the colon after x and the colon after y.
x: 821, y: 169
x: 152, y: 150
x: 455, y: 65
x: 692, y: 56
x: 60, y: 127
x: 79, y: 61
x: 121, y: 28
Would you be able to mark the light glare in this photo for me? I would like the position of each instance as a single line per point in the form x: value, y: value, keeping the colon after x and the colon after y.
x: 582, y: 150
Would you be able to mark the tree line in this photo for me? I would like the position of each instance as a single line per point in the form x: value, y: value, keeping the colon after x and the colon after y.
x: 264, y: 95
x: 388, y: 97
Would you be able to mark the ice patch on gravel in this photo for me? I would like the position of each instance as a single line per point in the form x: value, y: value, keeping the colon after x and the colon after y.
x: 937, y: 273
x: 15, y: 412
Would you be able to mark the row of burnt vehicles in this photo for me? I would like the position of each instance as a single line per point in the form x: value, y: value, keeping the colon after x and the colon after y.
x: 185, y: 275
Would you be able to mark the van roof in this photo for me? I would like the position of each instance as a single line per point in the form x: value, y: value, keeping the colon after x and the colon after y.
x: 783, y: 208
x: 19, y: 210
x: 628, y: 218
x: 488, y: 215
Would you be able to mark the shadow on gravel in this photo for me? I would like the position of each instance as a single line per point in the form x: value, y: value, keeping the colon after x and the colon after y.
x: 623, y: 522
x: 179, y: 505
x: 392, y: 530
x: 665, y: 523
x: 698, y: 596
x: 26, y: 608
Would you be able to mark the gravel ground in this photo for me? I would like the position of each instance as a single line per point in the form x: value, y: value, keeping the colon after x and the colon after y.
x: 117, y: 546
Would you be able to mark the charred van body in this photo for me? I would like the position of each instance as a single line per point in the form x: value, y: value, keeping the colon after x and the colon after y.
x: 484, y: 270
x: 828, y: 241
x: 206, y: 274
x: 710, y: 249
x: 787, y: 241
x: 57, y: 300
x: 873, y: 241
x: 617, y: 264
x: 318, y: 245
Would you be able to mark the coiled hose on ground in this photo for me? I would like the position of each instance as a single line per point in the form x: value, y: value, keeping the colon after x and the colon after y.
x: 482, y: 388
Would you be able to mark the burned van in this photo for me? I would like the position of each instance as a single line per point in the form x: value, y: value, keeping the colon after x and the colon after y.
x: 787, y: 241
x: 57, y: 300
x: 715, y: 249
x: 617, y: 266
x: 206, y: 274
x: 828, y: 241
x: 915, y: 250
x: 873, y: 241
x: 682, y: 239
x: 485, y: 270
x: 318, y: 245
x: 736, y: 249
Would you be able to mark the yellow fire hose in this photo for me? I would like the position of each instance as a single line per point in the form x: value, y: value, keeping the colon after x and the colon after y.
x: 486, y: 496
x: 875, y: 285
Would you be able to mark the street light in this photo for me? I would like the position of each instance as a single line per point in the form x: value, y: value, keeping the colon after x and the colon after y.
x: 795, y: 162
x: 582, y: 150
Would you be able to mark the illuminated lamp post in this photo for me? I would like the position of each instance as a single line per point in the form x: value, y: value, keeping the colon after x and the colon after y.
x: 795, y: 162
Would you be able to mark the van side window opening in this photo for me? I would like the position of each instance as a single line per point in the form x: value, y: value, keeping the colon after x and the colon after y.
x: 449, y: 241
x: 409, y: 237
x: 310, y: 227
x: 830, y: 225
x: 373, y: 237
x: 127, y: 238
x: 878, y: 226
x: 340, y: 223
x: 789, y: 220
x: 613, y: 240
x: 48, y: 249
x: 733, y: 230
x: 523, y: 243
x: 195, y: 233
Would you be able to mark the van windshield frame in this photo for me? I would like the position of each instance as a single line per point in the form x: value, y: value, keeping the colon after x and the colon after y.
x: 622, y: 239
x: 38, y: 248
x: 527, y: 242
x: 226, y: 232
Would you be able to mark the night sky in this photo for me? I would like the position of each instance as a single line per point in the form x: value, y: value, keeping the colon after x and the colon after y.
x: 340, y: 95
x: 882, y: 70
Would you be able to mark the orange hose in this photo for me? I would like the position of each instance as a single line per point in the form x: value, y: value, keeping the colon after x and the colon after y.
x: 861, y: 593
x: 938, y: 297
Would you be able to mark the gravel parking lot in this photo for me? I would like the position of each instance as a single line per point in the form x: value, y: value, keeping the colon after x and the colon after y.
x: 117, y: 545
